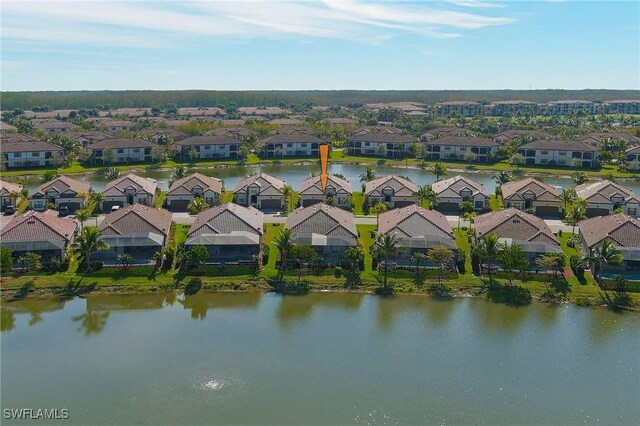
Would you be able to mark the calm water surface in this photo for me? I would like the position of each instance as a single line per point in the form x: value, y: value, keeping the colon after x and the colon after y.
x: 294, y: 175
x: 320, y: 359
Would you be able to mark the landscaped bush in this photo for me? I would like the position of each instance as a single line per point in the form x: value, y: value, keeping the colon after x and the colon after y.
x: 460, y: 259
x: 577, y: 266
x: 513, y: 295
x: 193, y: 286
x: 573, y: 242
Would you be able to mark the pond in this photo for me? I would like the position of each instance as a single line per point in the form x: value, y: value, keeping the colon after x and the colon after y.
x: 318, y: 359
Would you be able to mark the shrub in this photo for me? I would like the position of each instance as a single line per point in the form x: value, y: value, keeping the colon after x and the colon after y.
x: 577, y: 266
x: 460, y: 259
x: 513, y: 295
x: 193, y: 286
x: 338, y: 272
x: 6, y: 259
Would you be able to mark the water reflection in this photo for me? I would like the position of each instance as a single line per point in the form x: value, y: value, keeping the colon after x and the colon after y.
x: 496, y: 317
x: 295, y: 308
x: 34, y: 307
x: 390, y: 308
x: 200, y: 303
x: 439, y: 310
x: 123, y: 303
x: 91, y: 322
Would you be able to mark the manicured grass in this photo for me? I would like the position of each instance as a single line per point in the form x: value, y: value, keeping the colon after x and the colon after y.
x: 160, y: 197
x: 495, y: 203
x: 180, y: 233
x: 570, y: 251
x: 226, y: 197
x: 366, y: 240
x: 357, y: 198
x: 464, y: 246
x: 271, y: 231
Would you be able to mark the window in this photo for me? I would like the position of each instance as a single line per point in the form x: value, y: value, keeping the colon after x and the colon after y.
x: 17, y: 155
x: 544, y: 161
x: 136, y: 150
x: 289, y: 145
x: 544, y: 152
x: 563, y: 153
x: 463, y: 148
x: 121, y: 151
x: 35, y: 154
x: 447, y: 148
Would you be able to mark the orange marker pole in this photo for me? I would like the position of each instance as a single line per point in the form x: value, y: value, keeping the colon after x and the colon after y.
x: 324, y: 158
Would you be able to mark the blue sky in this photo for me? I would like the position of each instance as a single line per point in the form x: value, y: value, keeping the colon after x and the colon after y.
x: 332, y: 44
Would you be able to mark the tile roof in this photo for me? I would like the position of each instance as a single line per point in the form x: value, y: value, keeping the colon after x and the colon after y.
x: 202, y: 111
x: 603, y: 190
x: 117, y: 187
x: 208, y: 140
x: 463, y: 141
x: 285, y: 121
x: 601, y: 136
x: 232, y: 132
x: 633, y: 150
x: 383, y: 134
x: 457, y: 184
x: 623, y: 230
x: 263, y: 180
x: 53, y: 124
x: 61, y: 185
x: 227, y: 218
x: 414, y: 221
x: 542, y: 191
x: 514, y: 224
x: 516, y: 133
x: 92, y: 136
x: 312, y: 185
x: 187, y: 183
x: 559, y: 145
x: 16, y: 137
x: 322, y: 219
x: 39, y: 226
x: 27, y: 145
x: 121, y: 143
x: 136, y: 218
x: 294, y: 136
x: 338, y: 120
x: 262, y: 110
x: 7, y: 188
x: 172, y: 133
x: 401, y: 186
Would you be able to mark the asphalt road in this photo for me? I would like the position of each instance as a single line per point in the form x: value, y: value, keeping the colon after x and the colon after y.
x: 187, y: 219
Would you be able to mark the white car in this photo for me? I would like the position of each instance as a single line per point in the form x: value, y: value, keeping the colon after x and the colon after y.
x: 115, y: 208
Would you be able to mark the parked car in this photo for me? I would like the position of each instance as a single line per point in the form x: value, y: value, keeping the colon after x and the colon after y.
x: 115, y: 208
x: 9, y: 210
x: 63, y: 210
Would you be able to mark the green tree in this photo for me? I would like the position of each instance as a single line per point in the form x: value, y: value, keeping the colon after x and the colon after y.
x: 419, y: 257
x: 548, y: 263
x: 126, y: 260
x: 439, y: 169
x: 88, y: 243
x: 441, y: 256
x: 354, y: 256
x: 287, y: 194
x: 30, y: 261
x: 178, y: 173
x: 432, y: 198
x: 385, y: 248
x: 490, y: 248
x: 112, y: 173
x: 568, y: 196
x: 512, y: 258
x: 6, y: 259
x: 579, y: 177
x: 502, y: 177
x: 197, y: 205
x: 198, y: 255
x: 82, y: 215
x: 422, y: 194
x: 48, y: 176
x: 575, y: 215
x: 516, y: 160
x: 303, y: 254
x: 368, y: 175
x: 603, y: 255
x: 107, y: 156
x: 284, y: 243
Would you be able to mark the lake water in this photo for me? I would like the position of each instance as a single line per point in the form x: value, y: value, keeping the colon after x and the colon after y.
x: 319, y: 359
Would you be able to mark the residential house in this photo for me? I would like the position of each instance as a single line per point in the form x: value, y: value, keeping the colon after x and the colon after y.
x: 6, y: 189
x: 28, y: 152
x: 453, y: 191
x: 263, y: 110
x: 632, y: 158
x: 62, y: 191
x: 232, y: 234
x: 233, y: 132
x: 55, y: 114
x: 624, y: 232
x: 113, y: 126
x: 532, y: 195
x: 43, y: 233
x: 623, y: 106
x: 441, y: 132
x: 382, y: 140
x: 156, y: 133
x: 338, y: 190
x: 182, y: 191
x: 123, y: 150
x: 202, y: 112
x: 507, y: 136
x: 604, y: 197
x: 286, y: 122
x: 328, y: 230
x: 559, y: 153
x: 209, y: 147
x: 127, y: 112
x: 7, y: 128
x: 417, y: 230
x: 138, y: 230
x: 596, y: 139
x: 515, y: 107
x: 571, y: 106
x: 294, y: 142
x: 339, y: 121
x: 392, y: 190
x: 54, y: 126
x: 465, y: 148
x: 262, y: 191
x: 513, y: 226
x: 88, y: 137
x: 127, y: 190
x: 463, y: 108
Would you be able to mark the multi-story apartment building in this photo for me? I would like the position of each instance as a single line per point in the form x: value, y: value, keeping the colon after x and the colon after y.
x: 506, y: 108
x: 624, y: 106
x: 28, y: 153
x: 210, y: 147
x: 295, y: 142
x: 571, y: 106
x: 383, y: 141
x: 54, y: 126
x: 463, y: 148
x: 123, y: 150
x: 463, y: 108
x: 559, y: 153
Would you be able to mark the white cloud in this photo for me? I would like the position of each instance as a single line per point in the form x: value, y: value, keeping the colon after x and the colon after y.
x: 474, y: 4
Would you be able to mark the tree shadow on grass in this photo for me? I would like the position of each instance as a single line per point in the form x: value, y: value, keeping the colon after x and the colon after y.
x: 512, y: 295
x: 24, y: 291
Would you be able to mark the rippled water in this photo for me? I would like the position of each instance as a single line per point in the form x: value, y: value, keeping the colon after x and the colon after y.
x: 319, y: 359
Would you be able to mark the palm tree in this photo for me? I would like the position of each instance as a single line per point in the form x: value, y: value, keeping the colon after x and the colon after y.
x: 284, y: 244
x: 112, y: 173
x: 287, y: 194
x: 490, y: 248
x: 432, y: 198
x: 48, y: 176
x: 15, y: 196
x: 606, y: 253
x: 580, y: 177
x: 96, y: 199
x: 439, y: 169
x: 178, y: 173
x: 368, y: 174
x: 568, y: 196
x: 422, y: 194
x: 354, y: 257
x: 441, y: 256
x: 87, y: 243
x: 419, y: 257
x: 197, y: 205
x: 386, y: 246
x: 575, y: 215
x: 502, y: 177
x: 82, y: 215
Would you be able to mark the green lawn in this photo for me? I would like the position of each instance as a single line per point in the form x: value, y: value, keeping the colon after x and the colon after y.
x: 495, y: 203
x: 357, y: 198
x: 180, y: 233
x: 464, y: 246
x: 271, y: 231
x: 226, y: 197
x: 160, y: 197
x: 366, y: 240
